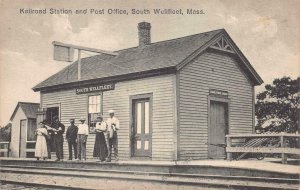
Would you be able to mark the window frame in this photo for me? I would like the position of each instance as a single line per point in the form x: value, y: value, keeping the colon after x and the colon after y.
x: 28, y: 121
x: 89, y: 115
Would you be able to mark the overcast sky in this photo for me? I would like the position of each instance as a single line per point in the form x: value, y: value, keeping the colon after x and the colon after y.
x: 267, y: 32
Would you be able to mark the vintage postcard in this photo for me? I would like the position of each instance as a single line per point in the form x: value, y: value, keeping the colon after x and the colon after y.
x: 149, y: 94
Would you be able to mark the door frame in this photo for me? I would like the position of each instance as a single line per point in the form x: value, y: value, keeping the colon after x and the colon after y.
x: 221, y: 100
x: 132, y: 98
x: 26, y: 122
x: 52, y: 106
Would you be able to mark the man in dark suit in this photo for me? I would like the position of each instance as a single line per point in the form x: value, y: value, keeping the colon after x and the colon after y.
x: 71, y: 137
x: 58, y: 130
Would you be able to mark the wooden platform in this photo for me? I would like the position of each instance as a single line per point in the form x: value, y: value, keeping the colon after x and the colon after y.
x: 194, y: 174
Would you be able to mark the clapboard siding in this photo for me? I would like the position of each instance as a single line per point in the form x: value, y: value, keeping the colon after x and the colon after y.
x: 15, y: 132
x: 163, y: 115
x: 162, y: 87
x: 216, y: 71
x: 71, y: 106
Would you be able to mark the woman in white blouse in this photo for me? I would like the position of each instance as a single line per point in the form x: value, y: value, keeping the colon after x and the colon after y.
x: 100, y: 147
x: 41, y: 144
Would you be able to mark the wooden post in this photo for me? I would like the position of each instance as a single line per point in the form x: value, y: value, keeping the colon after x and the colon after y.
x: 79, y: 64
x: 228, y: 145
x: 283, y: 155
x: 8, y: 149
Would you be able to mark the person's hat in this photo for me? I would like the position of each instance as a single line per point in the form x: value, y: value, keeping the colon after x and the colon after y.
x: 82, y: 119
x: 99, y: 116
x: 111, y: 111
x: 43, y: 122
x: 72, y: 119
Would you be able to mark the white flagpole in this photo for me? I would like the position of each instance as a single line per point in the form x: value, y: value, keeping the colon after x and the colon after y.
x: 79, y: 64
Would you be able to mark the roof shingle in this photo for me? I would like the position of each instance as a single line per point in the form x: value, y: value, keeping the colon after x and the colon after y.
x: 28, y: 108
x: 137, y: 59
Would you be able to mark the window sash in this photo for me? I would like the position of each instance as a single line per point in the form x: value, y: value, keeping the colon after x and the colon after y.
x: 94, y: 104
x: 31, y: 127
x: 94, y: 109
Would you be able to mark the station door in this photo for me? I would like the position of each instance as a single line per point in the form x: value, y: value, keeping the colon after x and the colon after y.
x: 141, y: 140
x: 218, y: 128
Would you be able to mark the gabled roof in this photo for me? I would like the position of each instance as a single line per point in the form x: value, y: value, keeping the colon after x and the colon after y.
x: 159, y: 55
x: 28, y: 108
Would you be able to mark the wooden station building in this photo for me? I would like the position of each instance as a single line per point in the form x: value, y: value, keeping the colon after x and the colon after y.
x: 174, y: 99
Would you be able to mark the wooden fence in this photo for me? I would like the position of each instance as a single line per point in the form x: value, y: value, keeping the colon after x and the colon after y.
x: 259, y: 143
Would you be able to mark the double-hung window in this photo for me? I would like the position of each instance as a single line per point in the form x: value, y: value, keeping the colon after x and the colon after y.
x: 94, y: 109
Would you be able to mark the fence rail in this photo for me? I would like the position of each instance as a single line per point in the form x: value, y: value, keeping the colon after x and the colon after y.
x: 263, y: 143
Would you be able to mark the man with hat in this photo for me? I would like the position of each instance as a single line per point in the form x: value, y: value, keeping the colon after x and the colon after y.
x: 82, y: 134
x: 58, y: 130
x: 112, y: 137
x: 71, y: 137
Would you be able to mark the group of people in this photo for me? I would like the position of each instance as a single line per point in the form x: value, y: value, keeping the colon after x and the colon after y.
x: 76, y: 136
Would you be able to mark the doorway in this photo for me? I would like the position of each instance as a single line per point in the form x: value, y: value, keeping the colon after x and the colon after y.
x: 141, y: 129
x: 218, y: 129
x: 51, y: 113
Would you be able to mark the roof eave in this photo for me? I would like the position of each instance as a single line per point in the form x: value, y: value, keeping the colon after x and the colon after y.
x: 257, y: 79
x: 15, y: 111
x: 116, y: 78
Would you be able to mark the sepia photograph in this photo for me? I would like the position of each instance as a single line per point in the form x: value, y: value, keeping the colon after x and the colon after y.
x: 152, y: 95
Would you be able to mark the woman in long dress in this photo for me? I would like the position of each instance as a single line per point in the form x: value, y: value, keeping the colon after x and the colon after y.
x: 100, y: 148
x: 41, y: 144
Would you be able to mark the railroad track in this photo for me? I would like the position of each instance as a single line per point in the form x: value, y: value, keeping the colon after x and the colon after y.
x: 61, y: 178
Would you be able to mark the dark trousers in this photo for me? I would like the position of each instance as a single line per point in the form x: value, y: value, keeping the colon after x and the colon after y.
x: 72, y: 143
x: 58, y: 142
x: 49, y: 147
x: 112, y: 142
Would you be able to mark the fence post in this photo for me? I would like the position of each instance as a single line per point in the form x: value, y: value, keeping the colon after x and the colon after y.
x: 8, y: 149
x: 283, y: 155
x: 228, y: 145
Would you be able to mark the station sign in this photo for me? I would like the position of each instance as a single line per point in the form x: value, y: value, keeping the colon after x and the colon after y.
x: 96, y: 88
x: 218, y: 92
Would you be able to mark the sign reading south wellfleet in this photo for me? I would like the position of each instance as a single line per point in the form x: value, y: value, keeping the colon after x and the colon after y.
x: 97, y: 88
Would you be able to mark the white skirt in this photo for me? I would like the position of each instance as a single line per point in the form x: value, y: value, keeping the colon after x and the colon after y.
x: 41, y: 147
